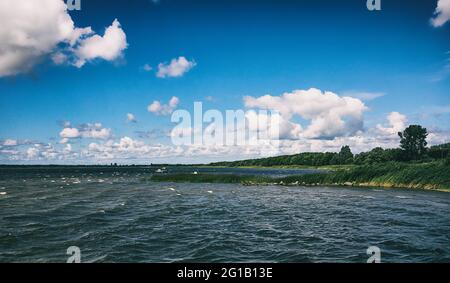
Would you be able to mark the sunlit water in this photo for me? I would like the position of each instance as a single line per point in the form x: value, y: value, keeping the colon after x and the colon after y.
x: 119, y: 217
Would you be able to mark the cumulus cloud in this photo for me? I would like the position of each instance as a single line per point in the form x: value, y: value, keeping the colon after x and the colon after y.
x: 330, y: 115
x: 108, y: 47
x: 70, y: 133
x: 164, y: 109
x: 441, y: 14
x: 131, y: 118
x: 397, y: 123
x: 176, y: 67
x: 271, y: 126
x: 95, y: 131
x: 32, y: 152
x: 89, y: 131
x: 29, y: 30
x: 32, y: 30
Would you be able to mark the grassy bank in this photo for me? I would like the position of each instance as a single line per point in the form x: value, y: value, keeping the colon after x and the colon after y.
x: 430, y: 176
x: 287, y: 167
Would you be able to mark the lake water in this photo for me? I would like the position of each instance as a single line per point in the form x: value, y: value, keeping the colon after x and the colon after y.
x: 114, y: 215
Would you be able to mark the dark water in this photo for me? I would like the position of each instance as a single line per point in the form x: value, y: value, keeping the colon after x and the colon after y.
x: 116, y: 216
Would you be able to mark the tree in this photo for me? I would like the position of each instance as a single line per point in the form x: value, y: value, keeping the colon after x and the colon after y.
x: 447, y: 161
x: 345, y: 155
x: 413, y: 142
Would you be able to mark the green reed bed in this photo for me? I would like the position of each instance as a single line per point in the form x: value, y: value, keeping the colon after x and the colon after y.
x: 433, y: 176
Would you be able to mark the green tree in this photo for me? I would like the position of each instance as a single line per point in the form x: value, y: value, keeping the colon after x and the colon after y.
x: 346, y: 155
x: 447, y: 161
x: 413, y: 141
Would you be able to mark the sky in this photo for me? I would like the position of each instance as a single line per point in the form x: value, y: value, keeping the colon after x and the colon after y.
x: 101, y: 84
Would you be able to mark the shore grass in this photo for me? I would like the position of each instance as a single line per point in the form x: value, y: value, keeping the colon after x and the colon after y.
x: 287, y: 167
x: 429, y: 176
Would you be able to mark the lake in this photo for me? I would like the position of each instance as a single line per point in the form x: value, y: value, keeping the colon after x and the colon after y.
x: 115, y: 215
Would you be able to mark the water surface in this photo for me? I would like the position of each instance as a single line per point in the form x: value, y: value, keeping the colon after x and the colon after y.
x: 115, y: 215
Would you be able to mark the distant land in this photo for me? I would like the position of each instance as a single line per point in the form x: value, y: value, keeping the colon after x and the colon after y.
x: 412, y: 165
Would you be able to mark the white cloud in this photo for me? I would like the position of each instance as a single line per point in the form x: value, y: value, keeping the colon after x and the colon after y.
x: 164, y: 109
x: 32, y: 152
x: 438, y: 137
x: 262, y: 123
x: 32, y: 30
x: 176, y: 67
x: 131, y: 118
x: 44, y: 152
x: 147, y: 68
x: 364, y: 95
x: 89, y: 131
x: 125, y: 148
x: 69, y: 133
x: 59, y: 58
x: 441, y: 14
x: 78, y: 34
x: 10, y: 142
x: 108, y: 47
x: 95, y: 131
x: 330, y: 115
x: 29, y: 30
x: 397, y: 123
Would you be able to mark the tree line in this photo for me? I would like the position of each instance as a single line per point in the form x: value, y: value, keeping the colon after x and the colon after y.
x: 413, y: 148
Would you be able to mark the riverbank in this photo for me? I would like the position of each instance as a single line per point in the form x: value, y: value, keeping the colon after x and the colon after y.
x: 428, y: 176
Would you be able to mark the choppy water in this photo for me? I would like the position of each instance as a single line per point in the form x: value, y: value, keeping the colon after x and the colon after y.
x: 115, y: 216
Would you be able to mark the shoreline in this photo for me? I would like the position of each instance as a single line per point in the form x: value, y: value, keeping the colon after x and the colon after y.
x: 411, y: 187
x: 427, y: 187
x: 429, y: 177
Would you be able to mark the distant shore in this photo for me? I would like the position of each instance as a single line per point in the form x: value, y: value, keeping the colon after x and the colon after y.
x: 428, y: 176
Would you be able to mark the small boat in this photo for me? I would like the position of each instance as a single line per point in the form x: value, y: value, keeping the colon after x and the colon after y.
x: 195, y: 173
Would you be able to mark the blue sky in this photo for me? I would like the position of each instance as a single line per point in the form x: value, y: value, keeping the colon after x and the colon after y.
x: 237, y: 49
